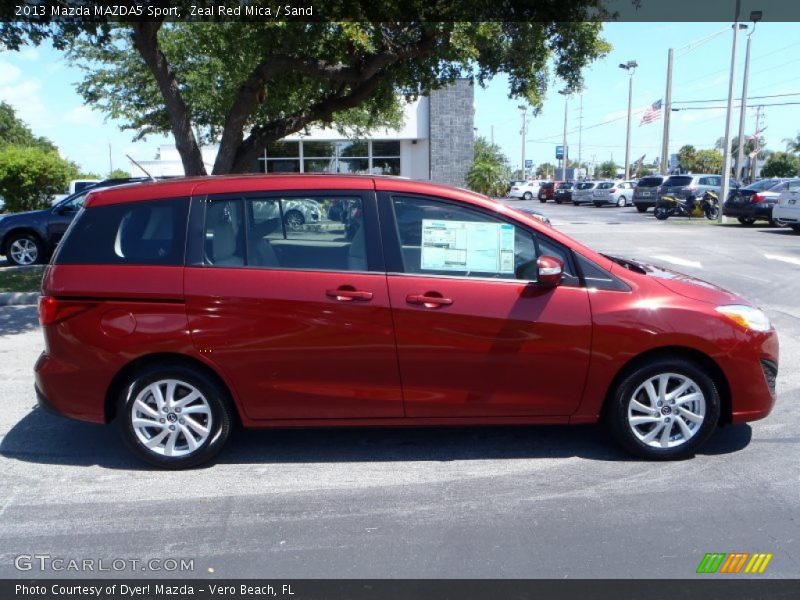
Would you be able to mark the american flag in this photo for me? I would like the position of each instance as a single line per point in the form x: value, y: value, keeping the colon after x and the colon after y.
x: 653, y: 113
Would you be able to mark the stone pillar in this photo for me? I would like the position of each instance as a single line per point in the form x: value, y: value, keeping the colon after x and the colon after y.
x: 451, y: 133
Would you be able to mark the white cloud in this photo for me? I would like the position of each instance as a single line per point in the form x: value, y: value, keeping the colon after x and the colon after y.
x: 23, y: 96
x: 28, y: 54
x: 8, y: 73
x: 82, y: 115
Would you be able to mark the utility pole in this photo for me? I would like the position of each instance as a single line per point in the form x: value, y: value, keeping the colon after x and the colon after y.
x: 755, y: 17
x: 565, y: 161
x: 667, y: 114
x: 492, y: 135
x: 726, y: 162
x: 524, y: 109
x: 580, y: 129
x: 754, y: 161
x: 110, y: 162
x: 629, y: 66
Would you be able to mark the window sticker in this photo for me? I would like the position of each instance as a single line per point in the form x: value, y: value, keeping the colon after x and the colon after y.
x: 467, y: 246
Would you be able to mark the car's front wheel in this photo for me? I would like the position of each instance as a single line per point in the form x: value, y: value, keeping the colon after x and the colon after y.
x: 174, y: 417
x: 294, y: 220
x: 25, y: 249
x: 664, y: 410
x: 527, y: 196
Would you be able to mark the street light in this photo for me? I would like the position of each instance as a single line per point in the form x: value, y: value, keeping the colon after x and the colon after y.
x: 630, y: 67
x: 755, y: 17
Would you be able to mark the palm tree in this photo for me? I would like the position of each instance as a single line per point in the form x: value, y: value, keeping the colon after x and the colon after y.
x: 793, y: 144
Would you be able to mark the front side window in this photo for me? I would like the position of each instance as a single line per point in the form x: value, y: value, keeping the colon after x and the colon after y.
x: 441, y: 238
x: 315, y: 232
x: 136, y: 233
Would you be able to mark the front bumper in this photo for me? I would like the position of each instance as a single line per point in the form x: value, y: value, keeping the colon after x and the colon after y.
x: 752, y: 376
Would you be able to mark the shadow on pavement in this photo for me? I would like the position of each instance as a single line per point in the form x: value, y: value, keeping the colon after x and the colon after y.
x: 43, y: 438
x: 780, y: 231
x: 18, y: 319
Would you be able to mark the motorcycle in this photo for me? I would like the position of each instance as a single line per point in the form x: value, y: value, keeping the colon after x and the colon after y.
x: 670, y: 206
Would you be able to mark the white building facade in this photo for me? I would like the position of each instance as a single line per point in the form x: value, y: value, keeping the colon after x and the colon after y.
x: 435, y: 142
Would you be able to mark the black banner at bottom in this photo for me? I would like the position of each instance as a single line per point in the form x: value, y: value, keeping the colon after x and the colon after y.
x: 397, y: 589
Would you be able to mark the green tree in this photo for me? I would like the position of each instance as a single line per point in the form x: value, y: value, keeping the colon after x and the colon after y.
x: 489, y: 172
x: 545, y: 170
x: 781, y: 164
x: 118, y: 174
x: 246, y: 84
x: 687, y: 157
x: 14, y: 132
x: 708, y: 161
x: 607, y: 169
x: 793, y: 144
x: 30, y: 176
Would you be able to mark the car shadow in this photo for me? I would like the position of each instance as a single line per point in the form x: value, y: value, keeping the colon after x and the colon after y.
x: 18, y: 319
x: 779, y: 231
x: 43, y: 438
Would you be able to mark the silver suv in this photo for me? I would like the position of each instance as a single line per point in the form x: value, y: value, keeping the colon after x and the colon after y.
x: 693, y: 185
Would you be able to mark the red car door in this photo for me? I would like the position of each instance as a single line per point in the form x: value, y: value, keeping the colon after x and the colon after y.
x: 475, y: 343
x: 296, y: 316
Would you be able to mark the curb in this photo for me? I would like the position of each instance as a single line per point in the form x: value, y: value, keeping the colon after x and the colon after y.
x: 18, y: 298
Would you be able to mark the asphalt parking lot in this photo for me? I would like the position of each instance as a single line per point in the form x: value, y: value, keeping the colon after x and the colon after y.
x: 464, y: 503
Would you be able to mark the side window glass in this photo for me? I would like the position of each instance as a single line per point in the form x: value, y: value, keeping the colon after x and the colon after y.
x: 315, y: 232
x: 439, y: 238
x: 224, y: 234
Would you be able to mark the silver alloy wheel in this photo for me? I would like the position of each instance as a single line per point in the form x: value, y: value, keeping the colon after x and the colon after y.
x: 294, y: 220
x: 24, y: 251
x: 667, y: 410
x: 171, y: 417
x: 622, y: 201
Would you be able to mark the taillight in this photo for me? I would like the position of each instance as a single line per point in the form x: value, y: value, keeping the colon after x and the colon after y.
x: 513, y: 187
x: 756, y: 198
x: 690, y: 190
x: 612, y: 191
x: 52, y: 310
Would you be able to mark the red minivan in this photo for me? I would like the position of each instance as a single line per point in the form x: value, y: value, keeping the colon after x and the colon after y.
x: 179, y: 308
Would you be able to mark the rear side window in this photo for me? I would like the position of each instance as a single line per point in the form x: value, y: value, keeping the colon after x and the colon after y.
x: 679, y: 180
x: 140, y: 233
x: 605, y: 186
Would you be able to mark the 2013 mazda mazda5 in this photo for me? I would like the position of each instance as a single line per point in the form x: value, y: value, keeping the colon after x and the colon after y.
x: 178, y: 308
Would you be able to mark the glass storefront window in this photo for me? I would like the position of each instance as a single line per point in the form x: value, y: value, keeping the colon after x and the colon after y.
x: 354, y: 165
x: 385, y: 166
x: 353, y: 149
x: 319, y: 165
x: 283, y: 150
x: 386, y: 148
x: 283, y: 166
x: 319, y: 149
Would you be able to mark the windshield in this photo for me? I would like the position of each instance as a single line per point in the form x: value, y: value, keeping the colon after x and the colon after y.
x: 678, y: 180
x: 764, y: 184
x: 586, y: 185
x: 74, y: 202
x: 650, y: 182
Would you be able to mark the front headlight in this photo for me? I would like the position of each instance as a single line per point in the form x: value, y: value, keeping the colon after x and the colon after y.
x: 746, y: 316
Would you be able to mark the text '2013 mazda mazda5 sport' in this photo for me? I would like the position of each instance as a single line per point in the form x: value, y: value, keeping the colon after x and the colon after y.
x: 178, y: 308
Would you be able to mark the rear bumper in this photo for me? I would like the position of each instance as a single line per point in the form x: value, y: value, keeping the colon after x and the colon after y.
x: 759, y: 210
x: 68, y: 390
x: 648, y: 202
x: 603, y: 201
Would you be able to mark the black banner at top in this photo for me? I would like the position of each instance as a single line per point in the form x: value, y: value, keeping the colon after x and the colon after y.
x: 47, y: 11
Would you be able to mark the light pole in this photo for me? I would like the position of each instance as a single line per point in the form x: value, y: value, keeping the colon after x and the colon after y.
x: 565, y: 159
x: 630, y: 67
x: 755, y: 17
x: 726, y: 159
x: 524, y: 109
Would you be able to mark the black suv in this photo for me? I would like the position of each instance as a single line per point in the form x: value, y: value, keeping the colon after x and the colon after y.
x: 28, y: 238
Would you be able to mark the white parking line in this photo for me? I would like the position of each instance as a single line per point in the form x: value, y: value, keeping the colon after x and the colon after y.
x: 679, y: 261
x: 792, y: 260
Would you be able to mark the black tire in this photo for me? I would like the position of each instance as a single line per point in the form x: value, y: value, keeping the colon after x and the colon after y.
x: 33, y: 248
x: 557, y: 201
x: 527, y: 196
x: 746, y: 221
x: 215, y: 395
x: 616, y: 410
x: 712, y: 213
x: 543, y: 200
x: 661, y: 213
x: 641, y: 209
x: 795, y: 228
x: 294, y: 219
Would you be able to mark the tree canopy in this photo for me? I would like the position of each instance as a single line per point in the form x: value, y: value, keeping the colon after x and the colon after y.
x: 781, y: 164
x: 30, y: 176
x: 246, y: 84
x: 490, y: 171
x: 15, y: 132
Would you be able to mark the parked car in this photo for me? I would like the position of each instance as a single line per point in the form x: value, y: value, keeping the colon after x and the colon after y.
x: 30, y: 237
x: 756, y: 201
x: 619, y: 194
x: 536, y: 215
x: 645, y: 192
x: 563, y: 192
x: 173, y: 312
x: 526, y: 191
x: 582, y: 192
x: 516, y: 182
x: 547, y: 191
x: 787, y: 209
x: 296, y: 213
x: 693, y: 186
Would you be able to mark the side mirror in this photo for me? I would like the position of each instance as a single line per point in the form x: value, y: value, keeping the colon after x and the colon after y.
x: 551, y: 271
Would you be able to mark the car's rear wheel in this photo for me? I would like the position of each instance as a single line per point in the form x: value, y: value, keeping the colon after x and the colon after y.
x: 174, y: 417
x: 543, y: 200
x: 24, y: 249
x: 664, y: 410
x: 527, y: 196
x: 294, y: 220
x: 641, y: 209
x: 622, y: 201
x: 746, y: 221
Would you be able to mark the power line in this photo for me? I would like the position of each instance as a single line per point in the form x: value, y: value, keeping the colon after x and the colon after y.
x: 725, y: 99
x: 735, y: 106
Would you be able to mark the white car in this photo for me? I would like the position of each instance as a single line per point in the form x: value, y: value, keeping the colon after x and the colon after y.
x: 618, y: 193
x: 787, y: 210
x: 527, y: 191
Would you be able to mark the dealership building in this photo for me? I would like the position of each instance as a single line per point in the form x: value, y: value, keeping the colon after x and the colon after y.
x: 435, y: 143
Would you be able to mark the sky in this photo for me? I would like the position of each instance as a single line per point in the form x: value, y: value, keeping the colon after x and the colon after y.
x: 40, y: 84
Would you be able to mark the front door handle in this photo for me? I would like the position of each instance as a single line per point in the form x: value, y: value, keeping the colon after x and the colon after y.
x: 348, y: 293
x: 429, y: 300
